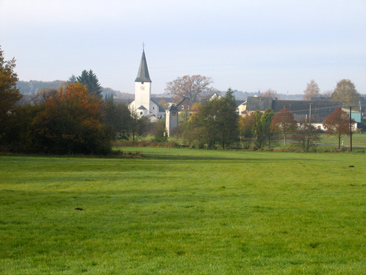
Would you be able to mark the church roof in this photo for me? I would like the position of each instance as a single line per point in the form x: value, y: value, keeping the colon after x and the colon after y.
x: 141, y: 108
x: 143, y: 73
x: 173, y: 108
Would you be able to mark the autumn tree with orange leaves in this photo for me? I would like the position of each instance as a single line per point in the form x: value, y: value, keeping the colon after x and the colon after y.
x: 71, y: 123
x: 337, y: 123
x: 283, y: 122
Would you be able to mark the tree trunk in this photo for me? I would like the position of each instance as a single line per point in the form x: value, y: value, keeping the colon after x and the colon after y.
x: 339, y: 142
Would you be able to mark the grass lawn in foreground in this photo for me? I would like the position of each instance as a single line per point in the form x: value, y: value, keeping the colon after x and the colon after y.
x: 182, y: 211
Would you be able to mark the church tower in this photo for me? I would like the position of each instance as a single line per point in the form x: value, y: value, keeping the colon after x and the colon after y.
x: 143, y: 88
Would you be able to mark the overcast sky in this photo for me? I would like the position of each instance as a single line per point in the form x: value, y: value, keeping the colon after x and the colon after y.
x: 243, y: 44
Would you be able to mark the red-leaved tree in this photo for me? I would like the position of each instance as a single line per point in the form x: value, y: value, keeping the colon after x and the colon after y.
x: 284, y: 123
x: 337, y: 123
x: 71, y: 123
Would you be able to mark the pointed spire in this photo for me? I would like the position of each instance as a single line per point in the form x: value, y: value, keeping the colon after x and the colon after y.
x: 143, y: 73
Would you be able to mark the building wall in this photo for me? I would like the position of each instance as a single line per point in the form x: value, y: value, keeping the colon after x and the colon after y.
x: 143, y: 95
x: 171, y: 121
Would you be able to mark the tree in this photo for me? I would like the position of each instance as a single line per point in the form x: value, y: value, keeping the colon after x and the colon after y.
x: 311, y: 90
x: 90, y: 80
x: 138, y: 126
x: 266, y: 121
x: 260, y: 136
x: 346, y: 93
x: 306, y: 136
x: 195, y: 87
x: 9, y: 95
x: 71, y: 123
x: 216, y: 122
x: 44, y: 94
x: 163, y: 104
x: 284, y: 123
x: 118, y: 118
x: 246, y: 128
x: 270, y: 93
x: 160, y: 133
x: 337, y: 123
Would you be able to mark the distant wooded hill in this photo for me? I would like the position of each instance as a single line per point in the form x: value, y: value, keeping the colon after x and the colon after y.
x: 33, y: 86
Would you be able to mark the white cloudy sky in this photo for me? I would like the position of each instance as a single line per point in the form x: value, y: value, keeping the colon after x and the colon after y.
x: 246, y: 45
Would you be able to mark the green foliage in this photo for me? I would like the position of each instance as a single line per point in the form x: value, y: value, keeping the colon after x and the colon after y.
x: 216, y: 122
x: 138, y: 126
x: 306, y: 136
x: 90, y: 80
x: 180, y: 211
x: 257, y: 125
x: 118, y: 118
x: 21, y: 131
x: 266, y: 121
x: 9, y: 95
x: 160, y: 134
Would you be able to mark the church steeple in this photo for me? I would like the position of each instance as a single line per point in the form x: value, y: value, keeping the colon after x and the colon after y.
x: 143, y: 73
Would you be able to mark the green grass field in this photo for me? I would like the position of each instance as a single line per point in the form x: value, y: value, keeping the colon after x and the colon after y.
x: 357, y: 139
x: 184, y: 211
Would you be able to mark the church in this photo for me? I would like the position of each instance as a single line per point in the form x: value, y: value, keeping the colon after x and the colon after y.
x: 143, y: 105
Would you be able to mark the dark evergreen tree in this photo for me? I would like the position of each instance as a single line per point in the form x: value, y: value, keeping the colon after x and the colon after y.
x: 90, y: 80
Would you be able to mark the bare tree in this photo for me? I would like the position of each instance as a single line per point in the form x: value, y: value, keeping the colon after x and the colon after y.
x: 195, y: 87
x: 44, y: 94
x: 270, y: 93
x: 311, y: 90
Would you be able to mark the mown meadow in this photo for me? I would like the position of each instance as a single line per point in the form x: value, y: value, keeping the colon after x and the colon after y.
x: 184, y: 211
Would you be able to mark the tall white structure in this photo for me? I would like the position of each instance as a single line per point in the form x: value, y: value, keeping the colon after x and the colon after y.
x: 143, y: 105
x: 171, y: 121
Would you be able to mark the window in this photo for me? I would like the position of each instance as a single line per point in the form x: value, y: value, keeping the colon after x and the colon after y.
x: 142, y: 88
x: 182, y: 107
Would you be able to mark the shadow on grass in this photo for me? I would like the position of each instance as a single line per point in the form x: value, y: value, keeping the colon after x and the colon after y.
x: 218, y: 158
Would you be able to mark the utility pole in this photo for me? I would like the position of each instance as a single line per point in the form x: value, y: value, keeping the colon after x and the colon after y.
x: 350, y: 128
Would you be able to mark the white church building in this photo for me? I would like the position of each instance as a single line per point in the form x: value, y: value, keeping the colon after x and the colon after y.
x: 143, y: 105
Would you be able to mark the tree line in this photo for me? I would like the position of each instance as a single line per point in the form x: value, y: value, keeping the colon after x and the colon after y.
x: 75, y: 119
x: 216, y: 124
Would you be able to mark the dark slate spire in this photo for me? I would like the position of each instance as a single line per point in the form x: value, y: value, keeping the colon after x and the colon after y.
x: 143, y: 73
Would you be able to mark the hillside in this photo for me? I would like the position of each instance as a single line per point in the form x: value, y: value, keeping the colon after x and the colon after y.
x: 33, y: 86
